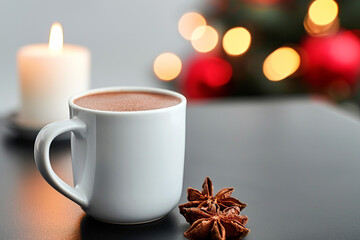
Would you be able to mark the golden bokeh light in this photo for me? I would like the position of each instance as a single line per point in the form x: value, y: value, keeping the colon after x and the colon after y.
x: 236, y: 41
x: 323, y: 12
x: 167, y: 66
x: 56, y: 39
x: 204, y: 39
x: 189, y: 22
x: 321, y: 30
x: 281, y: 63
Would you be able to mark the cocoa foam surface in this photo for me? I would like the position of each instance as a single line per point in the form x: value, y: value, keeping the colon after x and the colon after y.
x: 126, y: 101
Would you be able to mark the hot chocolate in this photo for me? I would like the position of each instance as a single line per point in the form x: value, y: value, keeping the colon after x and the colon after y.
x: 126, y: 101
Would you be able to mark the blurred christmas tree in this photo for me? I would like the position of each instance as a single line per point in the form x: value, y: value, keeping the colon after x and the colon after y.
x: 271, y: 47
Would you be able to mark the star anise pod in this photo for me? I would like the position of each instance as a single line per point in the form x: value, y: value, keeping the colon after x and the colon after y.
x: 218, y: 225
x: 205, y: 198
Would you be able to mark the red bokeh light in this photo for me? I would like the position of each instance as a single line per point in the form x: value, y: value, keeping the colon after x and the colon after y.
x: 206, y: 76
x: 332, y: 58
x: 216, y: 71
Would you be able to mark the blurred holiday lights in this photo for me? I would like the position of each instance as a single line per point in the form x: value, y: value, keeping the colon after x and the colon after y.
x: 281, y: 63
x: 332, y: 59
x: 204, y: 39
x: 206, y: 76
x: 216, y: 72
x: 167, y: 66
x: 322, y: 18
x: 321, y: 30
x: 189, y: 22
x: 236, y: 41
x: 323, y: 12
x: 209, y: 74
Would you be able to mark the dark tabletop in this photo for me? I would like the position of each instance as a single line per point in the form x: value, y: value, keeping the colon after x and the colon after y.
x: 296, y: 163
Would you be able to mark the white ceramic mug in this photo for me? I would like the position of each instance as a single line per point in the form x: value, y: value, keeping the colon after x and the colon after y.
x: 127, y: 166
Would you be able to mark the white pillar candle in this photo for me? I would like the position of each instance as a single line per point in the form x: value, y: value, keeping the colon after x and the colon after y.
x: 49, y: 75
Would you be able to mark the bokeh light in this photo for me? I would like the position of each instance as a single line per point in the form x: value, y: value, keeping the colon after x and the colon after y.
x: 189, y: 22
x: 332, y: 59
x: 206, y: 76
x: 321, y: 30
x: 204, y: 39
x: 236, y: 41
x: 323, y: 12
x: 167, y: 66
x: 217, y: 72
x: 281, y: 63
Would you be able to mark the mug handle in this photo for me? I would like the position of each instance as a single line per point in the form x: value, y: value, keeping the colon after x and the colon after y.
x: 42, y: 159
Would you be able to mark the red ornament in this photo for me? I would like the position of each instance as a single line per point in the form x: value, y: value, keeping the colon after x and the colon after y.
x: 206, y: 76
x: 332, y: 63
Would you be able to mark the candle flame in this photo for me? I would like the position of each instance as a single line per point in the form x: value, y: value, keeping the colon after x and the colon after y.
x: 56, y: 38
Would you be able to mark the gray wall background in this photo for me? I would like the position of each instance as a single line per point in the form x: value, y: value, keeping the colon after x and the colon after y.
x: 123, y: 36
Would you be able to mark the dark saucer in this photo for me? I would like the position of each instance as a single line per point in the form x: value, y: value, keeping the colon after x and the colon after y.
x: 26, y: 132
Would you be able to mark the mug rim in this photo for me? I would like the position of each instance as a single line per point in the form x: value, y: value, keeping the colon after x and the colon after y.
x: 128, y: 88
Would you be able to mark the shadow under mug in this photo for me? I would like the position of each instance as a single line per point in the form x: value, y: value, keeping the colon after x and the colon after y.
x: 127, y: 166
